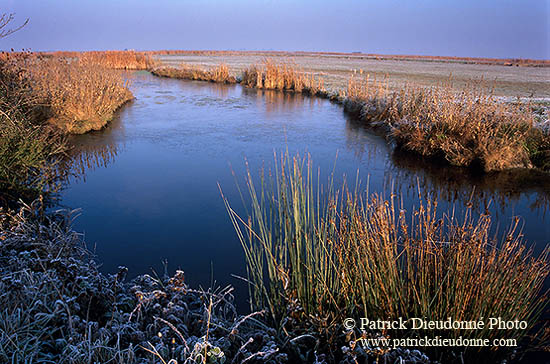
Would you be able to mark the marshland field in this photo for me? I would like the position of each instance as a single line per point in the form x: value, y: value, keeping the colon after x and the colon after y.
x: 508, y: 79
x: 192, y: 206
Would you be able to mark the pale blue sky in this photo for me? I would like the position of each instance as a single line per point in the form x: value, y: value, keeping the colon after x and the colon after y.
x: 470, y: 28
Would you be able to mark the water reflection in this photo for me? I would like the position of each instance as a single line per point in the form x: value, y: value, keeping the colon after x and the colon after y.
x: 451, y: 184
x: 277, y: 102
x: 86, y: 159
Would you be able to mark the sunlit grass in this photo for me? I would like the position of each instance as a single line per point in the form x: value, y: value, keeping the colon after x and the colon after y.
x: 464, y: 128
x: 219, y: 74
x: 81, y: 96
x: 271, y: 75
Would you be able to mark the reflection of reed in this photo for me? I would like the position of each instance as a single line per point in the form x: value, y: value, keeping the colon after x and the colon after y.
x: 221, y: 90
x: 89, y: 157
x: 284, y: 102
x: 455, y: 184
x: 361, y: 140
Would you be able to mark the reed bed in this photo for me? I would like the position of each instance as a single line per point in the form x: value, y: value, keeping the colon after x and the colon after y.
x: 41, y: 100
x: 317, y: 254
x: 124, y: 60
x: 270, y: 75
x: 81, y: 96
x: 465, y: 129
x: 219, y: 74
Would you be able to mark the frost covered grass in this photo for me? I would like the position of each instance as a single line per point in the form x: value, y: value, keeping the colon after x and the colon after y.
x: 57, y: 307
x: 323, y: 253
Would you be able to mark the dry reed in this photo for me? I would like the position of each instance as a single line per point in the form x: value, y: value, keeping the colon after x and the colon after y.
x: 126, y: 60
x: 270, y: 75
x: 81, y: 96
x: 467, y: 128
x: 29, y: 147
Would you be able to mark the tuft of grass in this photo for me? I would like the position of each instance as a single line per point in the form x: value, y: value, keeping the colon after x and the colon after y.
x: 317, y: 254
x: 270, y: 75
x: 219, y: 74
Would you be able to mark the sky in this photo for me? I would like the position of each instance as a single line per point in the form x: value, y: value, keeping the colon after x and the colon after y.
x: 465, y: 28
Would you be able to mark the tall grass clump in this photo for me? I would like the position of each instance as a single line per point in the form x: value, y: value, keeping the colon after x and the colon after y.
x: 270, y: 75
x: 318, y: 254
x: 469, y: 128
x: 219, y: 74
x: 28, y: 145
x: 80, y: 96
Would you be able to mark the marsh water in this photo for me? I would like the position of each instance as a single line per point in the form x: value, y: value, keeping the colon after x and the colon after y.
x: 147, y: 185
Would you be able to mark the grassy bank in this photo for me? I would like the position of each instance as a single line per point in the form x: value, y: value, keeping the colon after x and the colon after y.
x: 57, y: 307
x: 29, y: 146
x: 319, y: 254
x: 76, y: 95
x: 469, y: 129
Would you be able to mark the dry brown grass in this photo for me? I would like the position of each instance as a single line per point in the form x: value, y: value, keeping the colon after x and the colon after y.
x: 317, y: 254
x: 80, y: 96
x: 219, y: 74
x: 126, y: 60
x: 467, y: 128
x: 270, y: 75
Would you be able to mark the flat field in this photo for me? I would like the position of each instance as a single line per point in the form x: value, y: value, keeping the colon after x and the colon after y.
x: 336, y: 69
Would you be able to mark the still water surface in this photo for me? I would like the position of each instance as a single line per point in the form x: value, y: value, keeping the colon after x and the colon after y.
x: 148, y: 184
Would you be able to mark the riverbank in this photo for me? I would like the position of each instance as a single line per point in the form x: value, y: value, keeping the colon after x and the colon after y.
x: 470, y: 128
x: 43, y: 99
